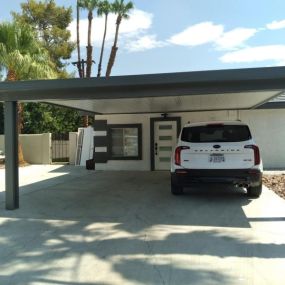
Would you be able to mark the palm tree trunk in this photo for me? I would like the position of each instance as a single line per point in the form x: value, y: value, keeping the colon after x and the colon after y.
x: 89, y: 60
x: 89, y: 46
x: 85, y: 121
x: 103, y: 46
x: 114, y: 48
x: 79, y: 67
x: 11, y: 76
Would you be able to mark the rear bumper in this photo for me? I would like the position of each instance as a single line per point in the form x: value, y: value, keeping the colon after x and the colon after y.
x: 245, y: 177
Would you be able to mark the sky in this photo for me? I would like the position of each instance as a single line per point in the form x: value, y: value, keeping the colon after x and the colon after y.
x: 164, y: 36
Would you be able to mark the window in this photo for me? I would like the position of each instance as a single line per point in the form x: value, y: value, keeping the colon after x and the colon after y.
x: 125, y: 142
x: 216, y: 133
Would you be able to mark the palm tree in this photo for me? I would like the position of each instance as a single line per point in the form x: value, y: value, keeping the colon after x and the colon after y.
x: 122, y: 10
x: 90, y: 5
x: 79, y: 67
x: 104, y: 8
x: 23, y: 58
x: 21, y: 54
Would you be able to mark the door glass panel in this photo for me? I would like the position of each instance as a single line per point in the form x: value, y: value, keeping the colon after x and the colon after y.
x: 164, y: 159
x: 165, y: 138
x: 165, y: 148
x: 165, y: 127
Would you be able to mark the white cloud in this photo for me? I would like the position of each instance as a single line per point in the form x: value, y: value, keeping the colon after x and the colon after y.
x: 199, y: 34
x: 139, y: 22
x: 256, y: 54
x: 143, y: 43
x: 276, y: 25
x: 235, y: 38
x: 210, y: 33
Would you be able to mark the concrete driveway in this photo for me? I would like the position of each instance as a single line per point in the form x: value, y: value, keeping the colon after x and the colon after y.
x: 126, y: 228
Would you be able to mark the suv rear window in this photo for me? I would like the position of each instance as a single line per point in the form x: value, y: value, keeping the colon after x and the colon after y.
x: 216, y: 133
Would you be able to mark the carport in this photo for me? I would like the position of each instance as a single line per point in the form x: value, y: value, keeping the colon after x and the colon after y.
x: 240, y: 89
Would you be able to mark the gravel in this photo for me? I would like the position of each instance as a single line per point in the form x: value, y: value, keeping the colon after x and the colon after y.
x: 275, y: 183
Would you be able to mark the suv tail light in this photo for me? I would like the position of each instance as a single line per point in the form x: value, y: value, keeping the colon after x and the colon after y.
x: 256, y: 153
x: 178, y: 154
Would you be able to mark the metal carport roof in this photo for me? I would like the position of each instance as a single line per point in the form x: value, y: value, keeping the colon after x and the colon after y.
x: 174, y: 92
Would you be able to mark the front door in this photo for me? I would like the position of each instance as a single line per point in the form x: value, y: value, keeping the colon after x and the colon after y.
x: 165, y: 139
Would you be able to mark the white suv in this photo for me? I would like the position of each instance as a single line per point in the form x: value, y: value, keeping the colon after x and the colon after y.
x: 221, y: 152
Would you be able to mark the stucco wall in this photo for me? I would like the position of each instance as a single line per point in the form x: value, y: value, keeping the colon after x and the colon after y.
x: 36, y: 147
x: 267, y: 126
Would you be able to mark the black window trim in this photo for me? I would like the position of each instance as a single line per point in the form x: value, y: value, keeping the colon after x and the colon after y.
x: 120, y: 126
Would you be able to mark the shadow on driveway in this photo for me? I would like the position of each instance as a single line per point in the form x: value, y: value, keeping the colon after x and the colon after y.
x: 126, y: 228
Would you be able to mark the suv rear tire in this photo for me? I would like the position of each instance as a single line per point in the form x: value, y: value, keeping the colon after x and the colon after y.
x: 254, y: 191
x: 176, y: 190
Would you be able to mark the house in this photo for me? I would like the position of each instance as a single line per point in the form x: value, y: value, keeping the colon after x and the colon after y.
x: 138, y: 118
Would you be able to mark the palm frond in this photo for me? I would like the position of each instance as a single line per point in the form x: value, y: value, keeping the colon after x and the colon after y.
x: 89, y: 5
x: 121, y: 8
x: 104, y: 8
x: 21, y: 52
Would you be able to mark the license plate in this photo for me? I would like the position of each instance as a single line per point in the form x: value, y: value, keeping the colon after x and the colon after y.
x: 217, y: 158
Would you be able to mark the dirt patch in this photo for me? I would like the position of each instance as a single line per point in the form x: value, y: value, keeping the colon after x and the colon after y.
x: 275, y: 183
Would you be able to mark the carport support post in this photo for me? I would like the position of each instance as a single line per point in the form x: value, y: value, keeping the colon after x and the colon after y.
x: 11, y: 155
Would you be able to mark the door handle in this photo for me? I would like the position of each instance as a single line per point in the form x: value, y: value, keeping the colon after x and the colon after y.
x: 155, y: 148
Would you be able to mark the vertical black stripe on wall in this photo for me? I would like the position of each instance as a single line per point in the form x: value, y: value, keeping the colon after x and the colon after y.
x: 100, y: 125
x: 100, y: 141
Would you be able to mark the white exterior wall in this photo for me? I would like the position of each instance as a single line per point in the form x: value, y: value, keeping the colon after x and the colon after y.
x: 267, y: 126
x: 268, y: 130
